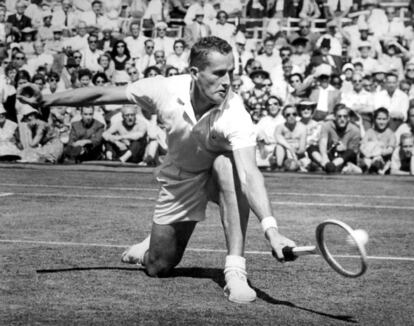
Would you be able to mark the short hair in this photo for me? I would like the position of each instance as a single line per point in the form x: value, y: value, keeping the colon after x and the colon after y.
x: 381, y: 110
x: 37, y: 77
x: 134, y: 22
x: 87, y: 107
x: 220, y: 12
x: 206, y: 45
x: 169, y: 68
x: 179, y: 41
x: 391, y: 74
x: 298, y: 75
x: 84, y: 72
x: 148, y: 41
x: 92, y: 35
x: 151, y: 68
x: 273, y: 97
x: 339, y: 107
x: 269, y: 38
x: 53, y: 74
x: 21, y: 74
x: 285, y: 48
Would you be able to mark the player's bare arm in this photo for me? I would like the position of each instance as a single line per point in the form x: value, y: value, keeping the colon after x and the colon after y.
x: 253, y: 186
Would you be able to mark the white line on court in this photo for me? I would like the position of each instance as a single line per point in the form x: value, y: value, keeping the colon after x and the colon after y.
x: 102, y: 245
x: 280, y: 203
x: 5, y: 194
x: 155, y: 189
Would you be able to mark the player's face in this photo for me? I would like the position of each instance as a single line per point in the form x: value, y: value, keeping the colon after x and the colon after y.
x: 87, y: 116
x: 215, y: 79
x: 381, y: 121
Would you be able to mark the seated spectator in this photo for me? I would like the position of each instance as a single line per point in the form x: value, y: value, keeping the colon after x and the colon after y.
x: 394, y: 100
x: 402, y: 161
x: 236, y: 84
x: 378, y: 78
x: 179, y: 58
x: 45, y: 32
x: 270, y: 58
x: 359, y: 101
x: 26, y: 45
x: 305, y: 32
x: 406, y: 127
x: 336, y: 36
x: 126, y: 140
x: 95, y: 16
x: 378, y: 144
x: 338, y: 8
x: 135, y: 41
x: 91, y: 55
x: 152, y: 71
x: 256, y: 98
x: 392, y: 57
x: 53, y: 83
x: 19, y: 20
x: 310, y: 9
x: 85, y: 138
x: 197, y: 29
x: 290, y: 140
x: 9, y: 138
x: 339, y: 142
x: 347, y: 74
x: 85, y: 77
x: 120, y: 55
x: 161, y: 40
x: 79, y: 42
x: 313, y: 132
x: 241, y: 55
x: 147, y: 59
x: 200, y: 7
x: 133, y: 73
x: 160, y: 61
x: 171, y: 71
x: 336, y: 81
x: 223, y: 29
x: 325, y: 95
x: 65, y: 15
x: 324, y: 57
x: 299, y: 58
x: 265, y: 130
x: 44, y: 144
x: 405, y: 86
x: 100, y: 79
x: 107, y: 65
x: 69, y: 75
x: 106, y: 43
x: 247, y: 83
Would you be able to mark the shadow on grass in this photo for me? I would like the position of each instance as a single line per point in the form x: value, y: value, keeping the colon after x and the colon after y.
x: 215, y: 274
x: 92, y: 268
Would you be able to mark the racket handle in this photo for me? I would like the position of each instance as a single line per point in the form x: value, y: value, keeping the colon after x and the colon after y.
x: 303, y: 251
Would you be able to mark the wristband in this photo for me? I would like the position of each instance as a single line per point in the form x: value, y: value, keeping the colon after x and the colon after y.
x: 268, y: 222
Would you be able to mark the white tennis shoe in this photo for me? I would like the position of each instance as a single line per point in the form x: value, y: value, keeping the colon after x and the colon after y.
x: 237, y: 289
x: 135, y: 254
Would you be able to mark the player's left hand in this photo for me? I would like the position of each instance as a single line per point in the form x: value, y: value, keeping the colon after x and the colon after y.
x: 278, y: 242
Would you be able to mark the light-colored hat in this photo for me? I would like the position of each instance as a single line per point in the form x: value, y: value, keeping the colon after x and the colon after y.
x: 348, y: 66
x: 2, y: 109
x: 26, y: 109
x: 362, y: 25
x: 364, y: 44
x: 57, y: 29
x: 323, y: 69
x: 198, y: 12
x: 28, y: 30
x: 161, y: 25
x: 47, y: 13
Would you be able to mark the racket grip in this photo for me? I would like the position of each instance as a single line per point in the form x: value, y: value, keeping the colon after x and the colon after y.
x: 289, y: 254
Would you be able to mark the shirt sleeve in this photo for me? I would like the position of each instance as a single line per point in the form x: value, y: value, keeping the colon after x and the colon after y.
x: 147, y: 93
x: 240, y: 131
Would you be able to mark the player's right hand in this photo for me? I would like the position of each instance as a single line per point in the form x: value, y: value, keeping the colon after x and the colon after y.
x: 278, y: 242
x: 29, y: 94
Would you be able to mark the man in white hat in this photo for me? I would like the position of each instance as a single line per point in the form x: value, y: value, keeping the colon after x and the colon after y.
x: 161, y: 40
x: 369, y: 63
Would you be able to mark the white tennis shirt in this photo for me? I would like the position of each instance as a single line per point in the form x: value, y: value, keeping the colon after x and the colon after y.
x: 193, y: 144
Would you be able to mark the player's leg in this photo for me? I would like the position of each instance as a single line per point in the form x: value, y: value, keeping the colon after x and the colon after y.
x: 225, y: 190
x: 160, y: 252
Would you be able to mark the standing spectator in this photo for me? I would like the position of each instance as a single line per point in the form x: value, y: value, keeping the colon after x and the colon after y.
x: 270, y: 58
x: 402, y: 161
x: 378, y: 144
x: 91, y: 55
x: 19, y: 20
x: 161, y: 40
x: 394, y: 100
x: 179, y: 58
x: 197, y: 29
x: 35, y: 12
x: 359, y: 101
x: 406, y: 127
x: 85, y: 139
x: 325, y: 95
x: 44, y: 144
x: 339, y: 142
x: 290, y: 140
x: 126, y: 140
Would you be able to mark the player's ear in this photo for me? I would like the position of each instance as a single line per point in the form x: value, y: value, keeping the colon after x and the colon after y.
x: 194, y: 72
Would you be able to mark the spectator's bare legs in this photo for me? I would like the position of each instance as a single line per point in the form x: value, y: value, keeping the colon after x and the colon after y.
x: 317, y: 157
x: 280, y: 154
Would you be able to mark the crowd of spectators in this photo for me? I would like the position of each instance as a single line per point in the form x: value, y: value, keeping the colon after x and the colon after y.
x: 328, y: 83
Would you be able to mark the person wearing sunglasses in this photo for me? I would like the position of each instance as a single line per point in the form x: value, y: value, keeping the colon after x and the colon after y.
x: 91, y: 55
x: 339, y: 142
x: 290, y: 140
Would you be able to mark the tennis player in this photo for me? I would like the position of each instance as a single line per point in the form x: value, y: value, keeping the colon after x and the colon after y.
x: 211, y: 156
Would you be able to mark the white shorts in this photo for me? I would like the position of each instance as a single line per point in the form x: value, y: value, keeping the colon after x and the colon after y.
x: 183, y: 195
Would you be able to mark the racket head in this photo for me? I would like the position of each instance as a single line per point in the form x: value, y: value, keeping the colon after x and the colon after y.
x: 344, y: 252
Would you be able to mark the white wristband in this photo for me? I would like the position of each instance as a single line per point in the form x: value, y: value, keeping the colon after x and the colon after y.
x: 268, y: 222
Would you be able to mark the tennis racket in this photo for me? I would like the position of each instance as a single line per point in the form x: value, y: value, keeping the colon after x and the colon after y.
x: 337, y: 244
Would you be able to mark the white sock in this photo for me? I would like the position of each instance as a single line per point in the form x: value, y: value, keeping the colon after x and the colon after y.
x: 234, y: 262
